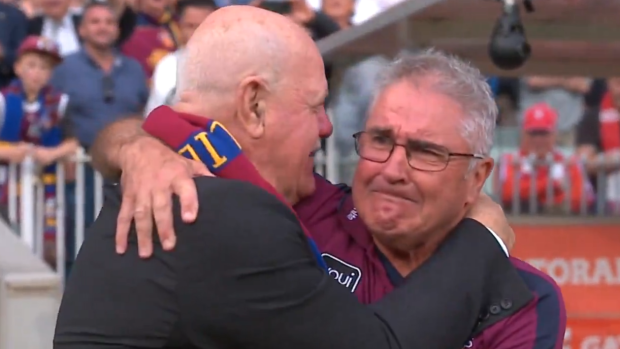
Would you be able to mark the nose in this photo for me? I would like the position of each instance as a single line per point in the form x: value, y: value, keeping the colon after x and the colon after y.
x: 396, y: 167
x: 325, y: 126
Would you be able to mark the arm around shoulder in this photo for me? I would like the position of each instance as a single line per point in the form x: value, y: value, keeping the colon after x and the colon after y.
x: 251, y: 281
x: 106, y: 149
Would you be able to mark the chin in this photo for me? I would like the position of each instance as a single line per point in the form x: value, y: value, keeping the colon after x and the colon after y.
x: 307, y: 187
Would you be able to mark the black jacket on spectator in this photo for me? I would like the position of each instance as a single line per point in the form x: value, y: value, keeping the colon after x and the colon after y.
x: 13, y: 24
x: 126, y: 24
x: 321, y: 26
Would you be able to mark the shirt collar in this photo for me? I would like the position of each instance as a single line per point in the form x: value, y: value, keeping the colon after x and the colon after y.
x: 118, y: 58
x: 65, y: 21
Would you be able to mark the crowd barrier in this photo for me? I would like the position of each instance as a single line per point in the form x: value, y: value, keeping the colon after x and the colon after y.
x: 584, y: 259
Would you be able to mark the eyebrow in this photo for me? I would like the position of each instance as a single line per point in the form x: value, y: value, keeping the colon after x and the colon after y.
x: 381, y: 131
x: 322, y: 97
x: 389, y: 132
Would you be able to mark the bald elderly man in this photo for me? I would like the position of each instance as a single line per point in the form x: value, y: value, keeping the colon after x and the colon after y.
x: 246, y: 273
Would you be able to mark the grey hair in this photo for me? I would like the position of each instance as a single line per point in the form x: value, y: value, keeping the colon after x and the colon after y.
x: 456, y: 79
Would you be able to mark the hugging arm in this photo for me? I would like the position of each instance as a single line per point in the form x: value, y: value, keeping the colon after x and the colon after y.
x: 151, y: 172
x: 263, y: 287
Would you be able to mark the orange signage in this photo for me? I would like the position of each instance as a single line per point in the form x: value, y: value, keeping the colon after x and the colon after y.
x: 592, y: 334
x: 583, y: 259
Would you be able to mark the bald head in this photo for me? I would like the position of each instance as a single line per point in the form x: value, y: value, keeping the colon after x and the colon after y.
x: 262, y: 76
x: 240, y: 41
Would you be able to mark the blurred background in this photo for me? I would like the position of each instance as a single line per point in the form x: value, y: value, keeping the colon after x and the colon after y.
x: 557, y: 141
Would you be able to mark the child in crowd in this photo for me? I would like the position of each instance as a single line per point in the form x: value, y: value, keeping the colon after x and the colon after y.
x: 33, y: 123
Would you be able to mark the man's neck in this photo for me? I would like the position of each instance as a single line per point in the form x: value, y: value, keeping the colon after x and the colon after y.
x: 406, y: 261
x: 59, y: 18
x: 344, y: 23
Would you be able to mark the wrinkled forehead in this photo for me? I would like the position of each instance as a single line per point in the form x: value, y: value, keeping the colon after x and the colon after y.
x: 418, y: 113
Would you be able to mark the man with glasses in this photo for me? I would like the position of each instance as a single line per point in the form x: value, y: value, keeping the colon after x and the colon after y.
x: 246, y: 274
x: 424, y: 159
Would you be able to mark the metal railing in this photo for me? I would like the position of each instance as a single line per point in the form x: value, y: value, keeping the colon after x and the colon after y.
x: 27, y: 204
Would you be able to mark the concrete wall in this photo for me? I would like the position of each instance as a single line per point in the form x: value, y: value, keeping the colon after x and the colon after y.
x: 30, y: 294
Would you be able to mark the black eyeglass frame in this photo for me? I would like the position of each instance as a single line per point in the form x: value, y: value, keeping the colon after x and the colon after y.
x: 449, y: 154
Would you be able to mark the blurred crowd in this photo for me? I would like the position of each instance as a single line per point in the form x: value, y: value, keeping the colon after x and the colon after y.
x: 69, y: 68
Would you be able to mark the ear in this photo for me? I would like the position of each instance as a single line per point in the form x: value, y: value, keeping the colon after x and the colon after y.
x: 17, y: 67
x: 478, y: 177
x: 251, y: 112
x: 81, y: 30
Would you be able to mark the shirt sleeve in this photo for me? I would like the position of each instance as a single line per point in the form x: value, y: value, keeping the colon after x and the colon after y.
x: 499, y: 241
x: 252, y: 281
x: 541, y: 325
x: 589, y: 129
x: 58, y: 77
x: 160, y: 83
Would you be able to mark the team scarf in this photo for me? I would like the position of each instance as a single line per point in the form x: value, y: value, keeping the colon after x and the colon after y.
x: 209, y: 142
x: 609, y: 119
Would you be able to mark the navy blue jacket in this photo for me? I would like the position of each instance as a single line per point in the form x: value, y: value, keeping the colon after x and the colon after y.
x: 13, y: 26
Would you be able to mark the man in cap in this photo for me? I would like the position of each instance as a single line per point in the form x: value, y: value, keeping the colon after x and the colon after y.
x: 540, y: 177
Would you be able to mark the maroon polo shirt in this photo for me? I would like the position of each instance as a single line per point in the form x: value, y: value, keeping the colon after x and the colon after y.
x: 355, y: 262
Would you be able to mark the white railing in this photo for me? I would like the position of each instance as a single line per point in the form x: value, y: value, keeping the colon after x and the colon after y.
x: 27, y: 205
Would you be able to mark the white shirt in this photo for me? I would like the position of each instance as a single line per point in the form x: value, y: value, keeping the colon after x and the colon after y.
x: 63, y: 33
x: 164, y: 81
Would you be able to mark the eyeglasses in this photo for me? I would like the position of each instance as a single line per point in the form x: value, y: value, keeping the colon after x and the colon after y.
x: 108, y: 89
x: 421, y: 156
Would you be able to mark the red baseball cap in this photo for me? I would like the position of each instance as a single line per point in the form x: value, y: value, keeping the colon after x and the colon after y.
x: 42, y: 45
x: 540, y: 116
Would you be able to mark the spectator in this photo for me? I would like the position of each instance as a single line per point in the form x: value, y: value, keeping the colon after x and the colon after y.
x: 102, y: 85
x: 363, y: 9
x: 350, y: 107
x: 340, y: 11
x: 538, y: 164
x: 317, y: 23
x: 61, y: 24
x: 566, y: 95
x: 148, y: 46
x: 191, y: 13
x: 13, y: 26
x: 33, y: 116
x: 122, y: 90
x: 158, y: 34
x: 157, y: 13
x: 598, y: 139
